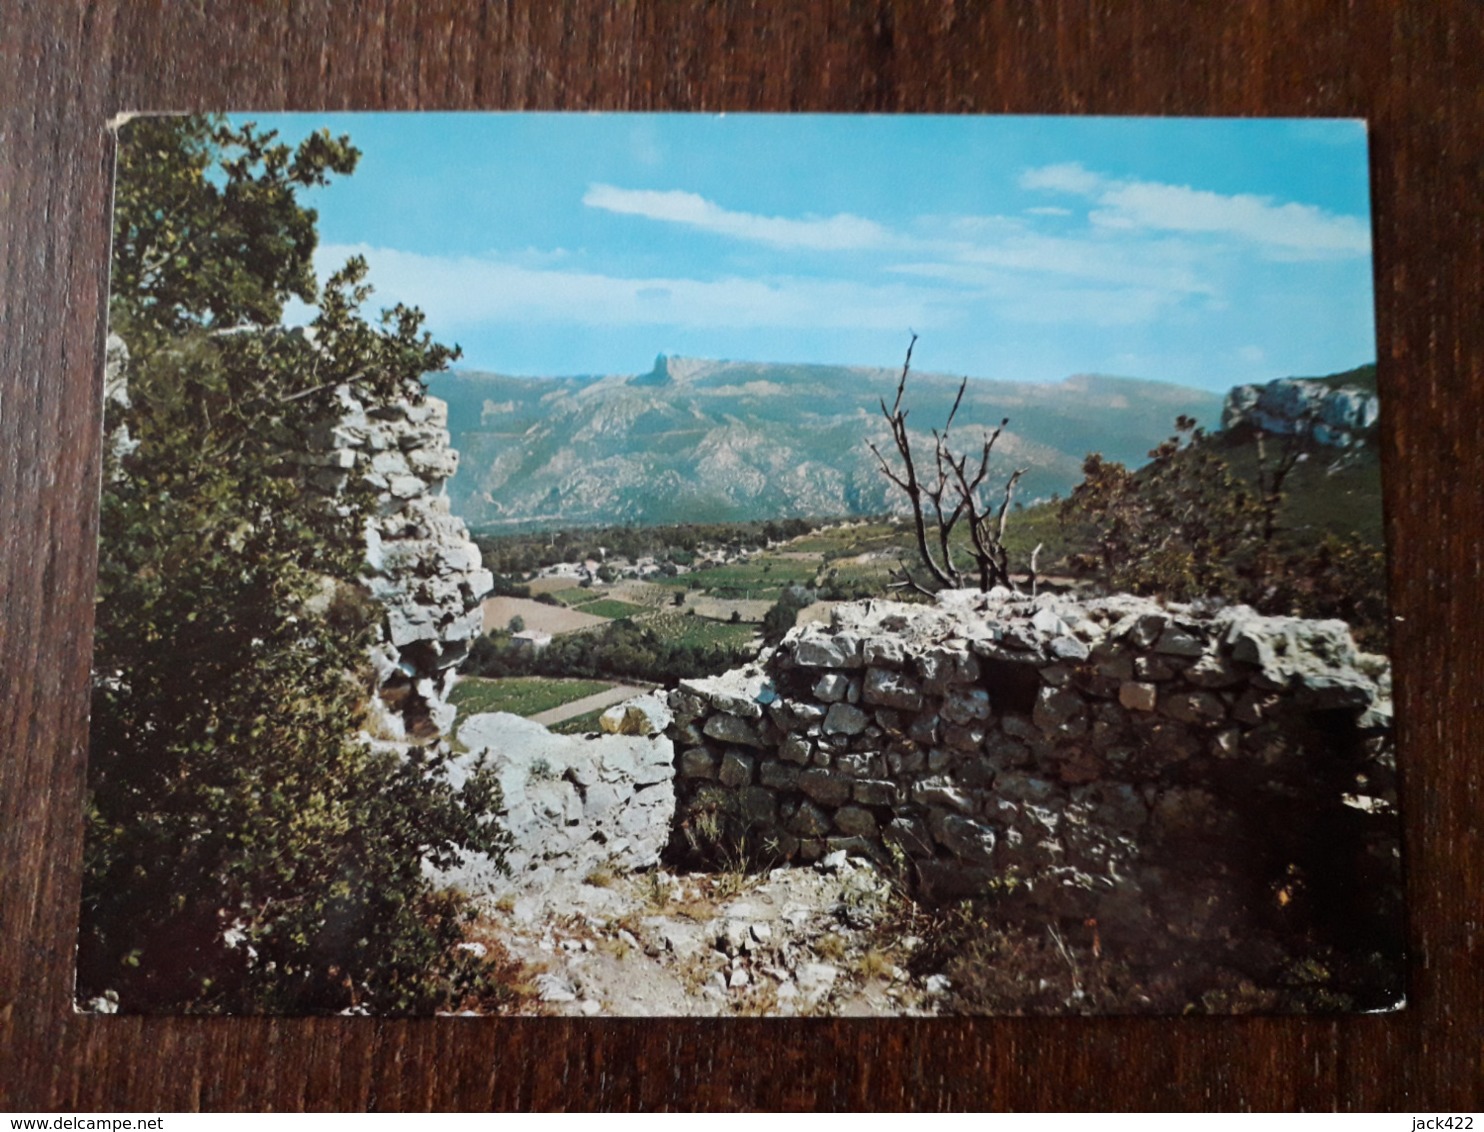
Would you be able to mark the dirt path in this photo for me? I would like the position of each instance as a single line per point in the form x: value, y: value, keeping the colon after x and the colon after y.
x: 614, y: 695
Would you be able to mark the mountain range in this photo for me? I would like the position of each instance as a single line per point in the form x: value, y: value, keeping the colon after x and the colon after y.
x: 711, y: 441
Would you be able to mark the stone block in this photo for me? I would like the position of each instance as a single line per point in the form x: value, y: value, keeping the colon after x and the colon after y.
x: 856, y: 821
x: 1179, y: 641
x: 757, y: 806
x: 1117, y: 666
x: 964, y: 837
x: 887, y: 687
x: 924, y: 729
x: 905, y: 761
x: 727, y: 728
x: 1067, y: 648
x: 825, y: 787
x: 1152, y: 669
x: 885, y: 652
x: 858, y: 764
x: 844, y: 719
x: 876, y: 792
x: 1060, y: 711
x: 941, y: 792
x: 809, y: 821
x: 942, y: 759
x: 816, y: 650
x: 1227, y: 744
x: 969, y: 738
x: 697, y: 762
x: 1138, y: 697
x: 1213, y: 671
x: 966, y: 705
x: 1203, y: 708
x: 794, y: 749
x: 910, y: 835
x: 831, y: 687
x: 1019, y: 727
x: 1057, y: 675
x: 736, y: 769
x: 943, y: 667
x: 778, y: 775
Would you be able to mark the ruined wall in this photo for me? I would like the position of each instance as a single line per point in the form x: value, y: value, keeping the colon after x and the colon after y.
x: 1110, y: 758
x: 420, y: 563
x: 573, y: 804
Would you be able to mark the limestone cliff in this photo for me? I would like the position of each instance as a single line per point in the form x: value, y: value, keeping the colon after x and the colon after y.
x: 1340, y: 415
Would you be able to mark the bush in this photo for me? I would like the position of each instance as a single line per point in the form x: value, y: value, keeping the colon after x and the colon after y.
x: 245, y: 852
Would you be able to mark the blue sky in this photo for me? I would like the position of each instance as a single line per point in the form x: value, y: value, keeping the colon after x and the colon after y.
x: 1201, y: 251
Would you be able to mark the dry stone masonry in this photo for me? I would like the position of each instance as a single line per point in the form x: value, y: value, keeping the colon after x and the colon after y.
x: 1106, y: 758
x: 420, y: 562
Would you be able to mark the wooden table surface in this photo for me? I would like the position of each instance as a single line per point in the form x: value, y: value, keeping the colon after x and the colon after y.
x: 1415, y: 70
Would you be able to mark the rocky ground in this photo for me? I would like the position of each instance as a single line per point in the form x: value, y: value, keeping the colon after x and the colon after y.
x: 834, y: 939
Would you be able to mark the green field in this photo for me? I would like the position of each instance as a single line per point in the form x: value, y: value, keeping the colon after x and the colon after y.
x: 762, y: 578
x: 610, y: 607
x: 684, y: 629
x: 520, y: 695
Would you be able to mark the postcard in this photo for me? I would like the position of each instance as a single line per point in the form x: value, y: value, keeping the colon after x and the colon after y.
x: 678, y: 564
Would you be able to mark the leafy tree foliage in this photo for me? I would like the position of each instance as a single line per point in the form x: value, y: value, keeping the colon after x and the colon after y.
x: 244, y: 853
x: 1182, y: 527
x: 620, y: 650
x: 1186, y: 526
x: 780, y: 619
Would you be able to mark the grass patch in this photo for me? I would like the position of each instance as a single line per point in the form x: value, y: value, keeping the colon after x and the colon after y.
x: 761, y: 578
x: 612, y: 608
x: 520, y: 695
x: 684, y: 629
x: 578, y: 724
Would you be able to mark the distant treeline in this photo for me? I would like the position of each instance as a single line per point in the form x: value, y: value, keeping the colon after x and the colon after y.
x: 621, y: 650
x: 677, y: 543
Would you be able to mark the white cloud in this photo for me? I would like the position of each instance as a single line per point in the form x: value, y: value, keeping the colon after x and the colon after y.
x: 1067, y: 177
x: 1282, y: 229
x: 1049, y: 210
x: 467, y: 291
x: 842, y: 232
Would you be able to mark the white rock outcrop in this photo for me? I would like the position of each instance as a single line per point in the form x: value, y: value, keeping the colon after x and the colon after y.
x: 572, y: 804
x: 1340, y: 416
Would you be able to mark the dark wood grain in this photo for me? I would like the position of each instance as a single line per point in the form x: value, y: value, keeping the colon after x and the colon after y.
x: 1416, y: 70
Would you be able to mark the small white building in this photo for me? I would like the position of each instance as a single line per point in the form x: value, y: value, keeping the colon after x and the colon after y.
x: 533, y: 639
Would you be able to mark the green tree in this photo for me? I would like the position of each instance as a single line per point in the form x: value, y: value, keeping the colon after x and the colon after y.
x: 1186, y: 526
x: 780, y: 619
x: 1183, y: 526
x: 244, y: 852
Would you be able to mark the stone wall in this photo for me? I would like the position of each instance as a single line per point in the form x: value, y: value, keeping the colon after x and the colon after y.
x: 573, y: 804
x: 420, y: 562
x: 1108, y: 758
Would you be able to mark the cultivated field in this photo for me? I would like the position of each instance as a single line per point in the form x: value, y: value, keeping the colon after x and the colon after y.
x: 521, y: 695
x: 537, y: 615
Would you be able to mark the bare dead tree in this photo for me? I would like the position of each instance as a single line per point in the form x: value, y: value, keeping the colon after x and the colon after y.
x: 951, y: 491
x: 1271, y: 476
